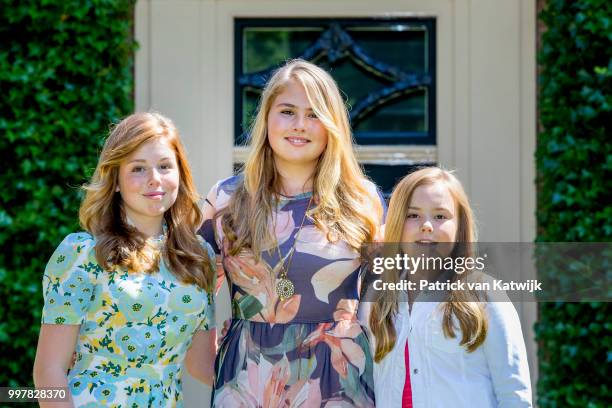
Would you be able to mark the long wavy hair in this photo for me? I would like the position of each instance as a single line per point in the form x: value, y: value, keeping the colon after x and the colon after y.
x: 463, y: 305
x: 102, y: 214
x: 343, y: 207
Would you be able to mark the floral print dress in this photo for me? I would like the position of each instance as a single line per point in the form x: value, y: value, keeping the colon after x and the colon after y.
x: 305, y: 351
x: 135, y: 328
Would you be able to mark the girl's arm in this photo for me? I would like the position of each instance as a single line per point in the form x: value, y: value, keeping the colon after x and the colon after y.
x: 504, y: 348
x: 200, y: 358
x: 56, y: 344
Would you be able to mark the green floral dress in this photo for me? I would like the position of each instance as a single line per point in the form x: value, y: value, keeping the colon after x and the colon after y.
x: 135, y: 328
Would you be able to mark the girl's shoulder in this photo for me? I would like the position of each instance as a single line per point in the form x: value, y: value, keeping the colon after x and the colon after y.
x: 77, y: 243
x: 487, y: 288
x: 369, y: 186
x: 74, y: 255
x: 224, y: 189
x: 376, y: 194
x: 229, y: 184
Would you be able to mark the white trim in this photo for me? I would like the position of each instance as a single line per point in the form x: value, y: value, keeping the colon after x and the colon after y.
x: 386, y: 155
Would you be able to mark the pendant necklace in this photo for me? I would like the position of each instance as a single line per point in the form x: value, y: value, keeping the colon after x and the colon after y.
x: 284, y: 287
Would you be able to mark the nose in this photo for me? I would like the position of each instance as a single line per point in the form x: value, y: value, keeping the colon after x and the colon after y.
x: 299, y: 123
x: 427, y: 227
x: 155, y: 178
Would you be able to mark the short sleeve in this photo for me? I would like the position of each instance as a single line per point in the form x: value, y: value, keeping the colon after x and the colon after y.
x: 207, y: 230
x: 222, y: 192
x: 383, y: 204
x: 209, y: 320
x: 375, y: 192
x: 68, y: 281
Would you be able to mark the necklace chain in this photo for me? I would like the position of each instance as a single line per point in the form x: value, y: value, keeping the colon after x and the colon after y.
x: 285, y: 288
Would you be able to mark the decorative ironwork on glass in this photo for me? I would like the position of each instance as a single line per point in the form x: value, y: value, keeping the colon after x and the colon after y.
x: 400, y: 95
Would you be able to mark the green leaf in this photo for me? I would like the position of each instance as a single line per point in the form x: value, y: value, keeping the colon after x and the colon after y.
x: 249, y: 306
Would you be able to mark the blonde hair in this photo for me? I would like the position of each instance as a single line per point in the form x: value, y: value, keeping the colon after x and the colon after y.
x: 343, y: 206
x: 463, y: 305
x: 102, y: 214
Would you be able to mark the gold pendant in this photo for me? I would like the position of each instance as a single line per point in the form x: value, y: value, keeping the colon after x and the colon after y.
x: 284, y: 288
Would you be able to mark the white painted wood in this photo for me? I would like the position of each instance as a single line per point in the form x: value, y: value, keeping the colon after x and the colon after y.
x: 142, y: 63
x: 494, y: 118
x: 455, y: 149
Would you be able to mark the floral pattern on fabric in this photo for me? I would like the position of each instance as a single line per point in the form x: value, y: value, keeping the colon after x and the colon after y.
x: 308, y: 350
x: 135, y: 328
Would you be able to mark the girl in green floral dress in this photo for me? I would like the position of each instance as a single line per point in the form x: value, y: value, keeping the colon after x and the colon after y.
x: 133, y: 294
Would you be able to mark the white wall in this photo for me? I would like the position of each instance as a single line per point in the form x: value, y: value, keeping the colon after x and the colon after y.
x: 485, y: 96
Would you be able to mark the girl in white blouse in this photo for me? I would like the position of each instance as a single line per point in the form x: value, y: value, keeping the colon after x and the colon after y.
x: 458, y: 352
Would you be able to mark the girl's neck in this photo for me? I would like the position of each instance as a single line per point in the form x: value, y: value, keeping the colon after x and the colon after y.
x: 150, y: 228
x: 295, y: 179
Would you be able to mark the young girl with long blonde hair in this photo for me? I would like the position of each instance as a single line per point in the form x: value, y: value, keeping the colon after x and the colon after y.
x: 289, y: 229
x: 458, y: 351
x: 132, y: 293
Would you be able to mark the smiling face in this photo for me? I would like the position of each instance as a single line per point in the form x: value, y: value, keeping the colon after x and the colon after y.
x: 296, y: 135
x: 149, y: 183
x: 432, y: 215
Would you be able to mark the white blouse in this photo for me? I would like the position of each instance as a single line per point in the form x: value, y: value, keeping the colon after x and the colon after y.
x: 442, y: 373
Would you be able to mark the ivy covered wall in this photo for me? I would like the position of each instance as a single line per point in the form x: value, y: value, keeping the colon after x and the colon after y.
x: 65, y: 74
x: 574, y: 163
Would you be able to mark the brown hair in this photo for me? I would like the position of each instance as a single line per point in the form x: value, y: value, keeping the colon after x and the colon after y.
x: 343, y: 207
x: 102, y: 214
x: 463, y: 305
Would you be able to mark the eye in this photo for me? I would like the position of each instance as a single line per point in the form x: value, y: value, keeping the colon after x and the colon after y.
x: 138, y: 169
x: 287, y: 112
x: 165, y: 166
x: 313, y: 115
x: 412, y: 215
x: 441, y: 217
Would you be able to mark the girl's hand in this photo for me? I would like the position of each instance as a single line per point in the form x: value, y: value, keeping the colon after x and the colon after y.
x: 74, y: 357
x: 225, y: 329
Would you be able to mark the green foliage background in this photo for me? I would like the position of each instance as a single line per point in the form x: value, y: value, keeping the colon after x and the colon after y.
x: 65, y: 73
x: 574, y: 159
